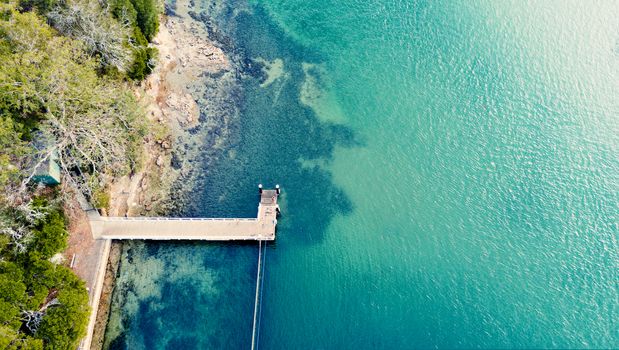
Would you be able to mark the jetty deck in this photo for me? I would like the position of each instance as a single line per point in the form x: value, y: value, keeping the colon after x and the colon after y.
x: 219, y: 229
x: 105, y: 228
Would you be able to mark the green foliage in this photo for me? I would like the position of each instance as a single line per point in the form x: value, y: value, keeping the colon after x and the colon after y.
x: 9, y: 313
x: 63, y: 326
x: 91, y: 23
x: 7, y: 337
x: 147, y: 17
x: 124, y: 11
x: 23, y: 42
x: 51, y: 236
x: 12, y: 294
x: 4, y: 242
x: 29, y: 281
x: 95, y: 121
x: 101, y: 27
x: 42, y: 6
x: 40, y: 277
x: 12, y: 149
x: 55, y: 85
x: 101, y: 199
x: 143, y: 16
x: 12, y: 288
x: 10, y: 339
x: 141, y: 68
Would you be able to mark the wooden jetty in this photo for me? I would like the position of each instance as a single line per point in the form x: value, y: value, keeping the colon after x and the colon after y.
x: 261, y: 228
x: 105, y: 228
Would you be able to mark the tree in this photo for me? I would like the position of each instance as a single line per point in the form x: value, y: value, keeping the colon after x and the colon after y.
x: 13, y: 151
x: 12, y: 290
x: 63, y: 325
x: 143, y: 62
x: 51, y: 237
x: 94, y: 124
x: 43, y: 6
x: 16, y: 223
x: 12, y: 294
x: 18, y: 234
x: 23, y: 42
x: 143, y: 56
x: 147, y: 18
x: 53, y: 100
x: 11, y: 339
x: 91, y: 24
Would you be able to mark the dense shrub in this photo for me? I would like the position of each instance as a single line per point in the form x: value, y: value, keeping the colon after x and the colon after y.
x: 51, y: 236
x: 63, y: 325
x: 147, y: 18
x: 12, y: 294
x: 42, y: 6
x: 31, y: 282
x: 142, y: 63
x: 143, y: 16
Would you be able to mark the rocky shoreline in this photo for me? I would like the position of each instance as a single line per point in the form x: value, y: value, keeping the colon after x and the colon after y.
x: 172, y: 95
x: 191, y: 95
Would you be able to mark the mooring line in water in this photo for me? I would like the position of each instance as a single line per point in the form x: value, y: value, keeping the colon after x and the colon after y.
x: 264, y: 262
x: 253, y: 332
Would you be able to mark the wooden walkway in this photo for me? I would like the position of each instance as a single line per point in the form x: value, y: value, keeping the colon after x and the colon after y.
x: 225, y: 229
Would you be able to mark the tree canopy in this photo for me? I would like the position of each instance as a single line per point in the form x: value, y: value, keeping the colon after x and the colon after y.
x: 42, y: 305
x: 65, y: 92
x: 92, y: 122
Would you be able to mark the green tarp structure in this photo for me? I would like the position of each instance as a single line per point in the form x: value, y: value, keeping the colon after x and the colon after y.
x: 48, y: 173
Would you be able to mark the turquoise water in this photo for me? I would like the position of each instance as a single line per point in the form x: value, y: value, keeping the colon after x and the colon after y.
x: 450, y: 175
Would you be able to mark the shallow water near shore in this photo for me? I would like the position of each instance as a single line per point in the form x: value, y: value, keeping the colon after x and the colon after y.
x: 450, y: 179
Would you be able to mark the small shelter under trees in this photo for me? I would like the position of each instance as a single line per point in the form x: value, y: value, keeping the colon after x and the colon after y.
x: 48, y: 172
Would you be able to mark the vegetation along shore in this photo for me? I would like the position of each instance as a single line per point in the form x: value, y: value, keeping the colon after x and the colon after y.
x: 82, y: 120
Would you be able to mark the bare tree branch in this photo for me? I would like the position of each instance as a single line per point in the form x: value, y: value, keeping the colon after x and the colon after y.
x: 90, y: 22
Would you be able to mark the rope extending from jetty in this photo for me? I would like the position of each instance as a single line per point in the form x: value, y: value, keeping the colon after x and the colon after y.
x: 255, y: 334
x: 264, y: 262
